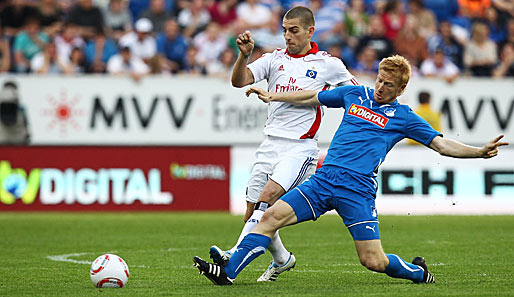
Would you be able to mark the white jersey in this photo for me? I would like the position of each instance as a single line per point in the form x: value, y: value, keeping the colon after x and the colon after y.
x: 316, y: 70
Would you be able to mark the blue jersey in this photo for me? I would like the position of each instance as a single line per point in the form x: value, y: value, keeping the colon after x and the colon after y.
x: 368, y: 131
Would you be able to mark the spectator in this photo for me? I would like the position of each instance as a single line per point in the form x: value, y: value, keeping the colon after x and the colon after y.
x: 98, y: 51
x: 141, y: 42
x: 270, y: 37
x: 367, y: 64
x: 192, y: 66
x: 497, y: 30
x: 506, y: 66
x: 65, y: 6
x: 480, y: 54
x: 172, y: 47
x: 224, y: 13
x: 505, y: 9
x: 425, y: 111
x: 50, y: 17
x: 27, y: 44
x: 68, y: 40
x: 411, y: 44
x: 426, y: 18
x: 474, y: 9
x: 194, y: 18
x: 118, y: 20
x: 446, y: 42
x: 78, y: 62
x: 13, y: 118
x: 15, y: 16
x: 222, y: 68
x: 125, y: 63
x: 49, y: 62
x: 288, y: 4
x: 136, y: 7
x: 335, y: 51
x: 210, y: 44
x: 444, y: 10
x: 87, y: 17
x: 509, y: 37
x: 329, y: 24
x: 375, y: 38
x: 393, y: 18
x: 355, y: 22
x: 253, y: 15
x: 437, y: 65
x: 157, y: 15
x: 5, y: 53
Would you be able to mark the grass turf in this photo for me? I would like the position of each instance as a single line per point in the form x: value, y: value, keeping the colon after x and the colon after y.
x: 469, y: 255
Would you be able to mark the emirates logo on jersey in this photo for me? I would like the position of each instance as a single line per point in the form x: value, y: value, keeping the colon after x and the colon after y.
x: 368, y: 115
x: 281, y: 68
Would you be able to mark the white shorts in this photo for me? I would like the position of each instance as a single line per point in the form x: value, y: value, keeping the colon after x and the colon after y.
x: 288, y: 162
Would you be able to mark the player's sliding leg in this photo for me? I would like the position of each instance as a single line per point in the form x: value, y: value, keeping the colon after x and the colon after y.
x: 253, y: 245
x: 373, y: 257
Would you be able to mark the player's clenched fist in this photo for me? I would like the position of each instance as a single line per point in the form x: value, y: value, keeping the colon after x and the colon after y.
x: 245, y: 43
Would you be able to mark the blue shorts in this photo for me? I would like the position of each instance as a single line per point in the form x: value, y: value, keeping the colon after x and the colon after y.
x: 334, y: 188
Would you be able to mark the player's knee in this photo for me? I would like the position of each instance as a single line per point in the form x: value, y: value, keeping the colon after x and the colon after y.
x: 269, y: 196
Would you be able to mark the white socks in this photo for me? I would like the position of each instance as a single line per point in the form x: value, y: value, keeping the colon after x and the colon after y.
x: 278, y: 251
x: 276, y: 247
x: 249, y: 225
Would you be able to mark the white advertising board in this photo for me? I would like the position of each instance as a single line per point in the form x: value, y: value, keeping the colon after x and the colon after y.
x: 204, y: 111
x: 416, y: 180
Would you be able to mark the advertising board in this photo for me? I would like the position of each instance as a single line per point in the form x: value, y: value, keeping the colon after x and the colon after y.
x: 114, y: 178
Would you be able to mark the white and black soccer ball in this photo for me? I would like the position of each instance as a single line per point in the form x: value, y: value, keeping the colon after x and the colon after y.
x: 109, y: 271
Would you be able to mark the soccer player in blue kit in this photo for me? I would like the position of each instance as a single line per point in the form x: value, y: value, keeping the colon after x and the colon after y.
x: 374, y: 121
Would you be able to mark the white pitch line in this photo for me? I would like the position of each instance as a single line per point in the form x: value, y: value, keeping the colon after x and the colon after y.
x: 67, y: 258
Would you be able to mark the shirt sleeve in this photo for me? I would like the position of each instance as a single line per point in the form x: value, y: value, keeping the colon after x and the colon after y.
x: 339, y: 73
x: 260, y: 67
x: 419, y: 129
x: 334, y: 98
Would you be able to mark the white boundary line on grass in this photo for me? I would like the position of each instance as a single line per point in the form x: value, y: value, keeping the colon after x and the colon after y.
x: 66, y: 258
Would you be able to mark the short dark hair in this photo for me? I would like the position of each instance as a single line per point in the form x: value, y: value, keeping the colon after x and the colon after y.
x: 424, y: 97
x: 303, y: 13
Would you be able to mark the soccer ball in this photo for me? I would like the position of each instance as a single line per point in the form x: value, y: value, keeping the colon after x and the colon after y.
x: 109, y: 271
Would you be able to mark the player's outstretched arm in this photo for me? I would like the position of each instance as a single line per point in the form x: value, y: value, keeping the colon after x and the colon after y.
x: 305, y: 97
x: 453, y: 148
x: 241, y: 75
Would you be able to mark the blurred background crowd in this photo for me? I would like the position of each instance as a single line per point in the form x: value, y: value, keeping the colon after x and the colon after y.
x: 441, y: 38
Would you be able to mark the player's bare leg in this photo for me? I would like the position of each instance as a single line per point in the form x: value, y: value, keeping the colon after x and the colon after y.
x: 372, y: 256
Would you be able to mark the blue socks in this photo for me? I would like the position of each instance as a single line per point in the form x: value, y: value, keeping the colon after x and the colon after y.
x: 252, y: 246
x: 398, y: 268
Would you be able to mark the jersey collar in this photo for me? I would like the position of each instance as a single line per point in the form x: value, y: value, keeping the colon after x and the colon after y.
x: 314, y: 49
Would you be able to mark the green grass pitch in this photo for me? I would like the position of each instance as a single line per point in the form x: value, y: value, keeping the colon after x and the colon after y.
x: 469, y: 255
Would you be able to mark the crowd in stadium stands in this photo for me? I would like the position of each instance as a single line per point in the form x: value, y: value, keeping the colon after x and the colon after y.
x: 440, y: 38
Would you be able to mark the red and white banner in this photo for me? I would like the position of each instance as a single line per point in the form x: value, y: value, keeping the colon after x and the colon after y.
x: 114, y: 178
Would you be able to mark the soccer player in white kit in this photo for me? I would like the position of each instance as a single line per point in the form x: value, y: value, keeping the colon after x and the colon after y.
x: 288, y: 155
